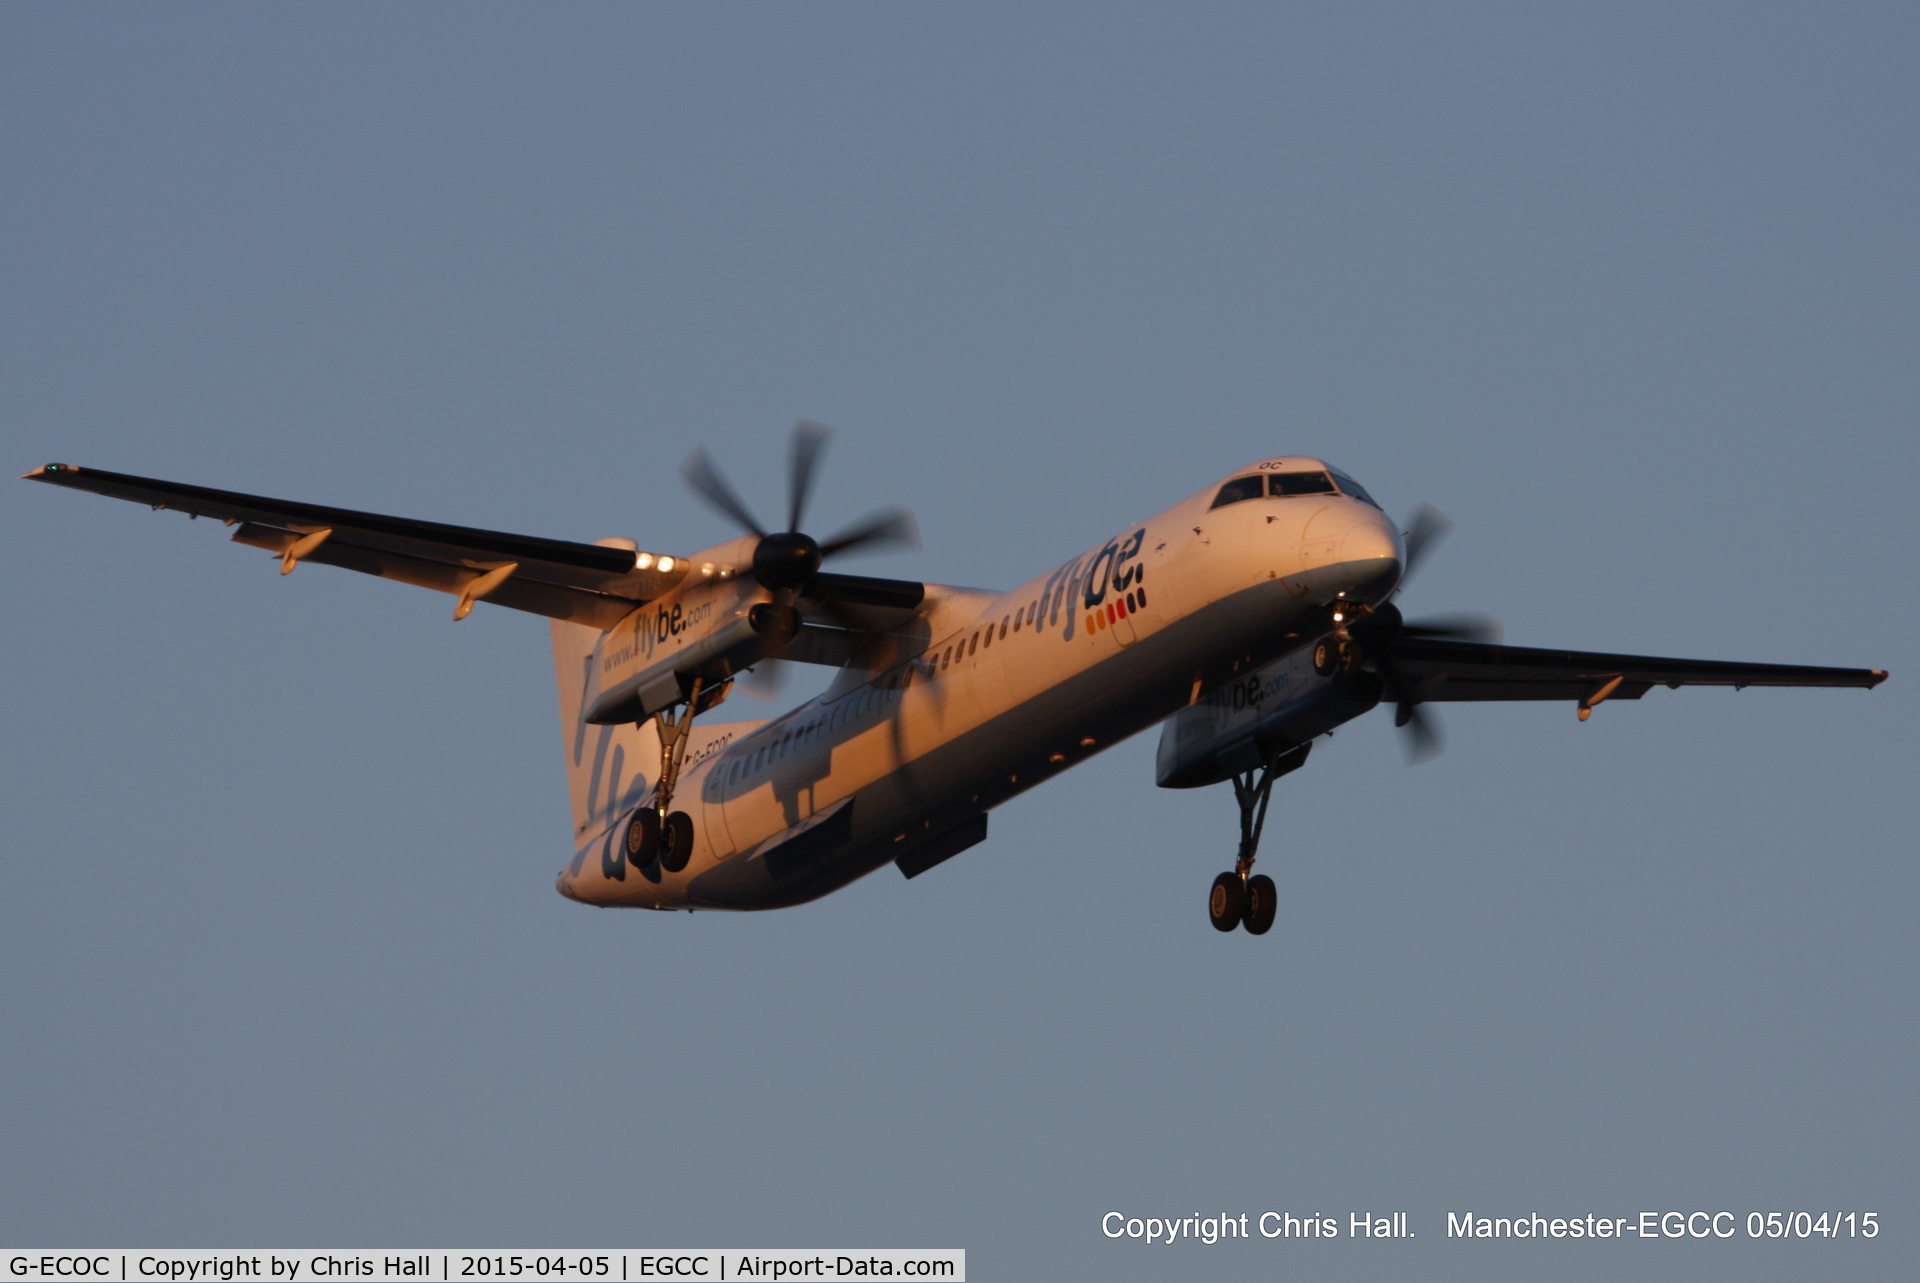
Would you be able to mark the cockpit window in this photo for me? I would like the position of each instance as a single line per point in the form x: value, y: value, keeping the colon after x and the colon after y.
x: 1293, y: 483
x: 1237, y: 489
x: 1349, y: 486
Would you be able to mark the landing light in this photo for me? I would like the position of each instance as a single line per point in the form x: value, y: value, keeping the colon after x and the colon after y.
x: 643, y: 561
x: 666, y: 563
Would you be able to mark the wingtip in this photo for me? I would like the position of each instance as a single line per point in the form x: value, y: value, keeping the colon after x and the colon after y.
x: 1879, y: 675
x: 46, y: 470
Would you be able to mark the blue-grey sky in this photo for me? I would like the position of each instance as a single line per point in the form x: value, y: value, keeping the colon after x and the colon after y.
x: 1628, y: 291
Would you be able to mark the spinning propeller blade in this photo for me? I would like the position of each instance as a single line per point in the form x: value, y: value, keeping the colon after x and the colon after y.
x: 1423, y: 733
x: 1462, y: 627
x: 765, y: 679
x: 888, y: 526
x: 1381, y: 632
x: 809, y: 439
x: 698, y: 471
x: 1429, y: 526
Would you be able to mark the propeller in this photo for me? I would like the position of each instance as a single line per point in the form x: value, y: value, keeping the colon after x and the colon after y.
x: 786, y: 561
x: 1423, y: 732
x: 1430, y: 525
x: 1484, y: 629
x: 1379, y: 633
x: 765, y: 680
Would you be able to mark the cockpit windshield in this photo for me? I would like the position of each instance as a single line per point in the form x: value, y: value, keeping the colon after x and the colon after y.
x: 1240, y: 488
x: 1288, y: 485
x: 1349, y: 486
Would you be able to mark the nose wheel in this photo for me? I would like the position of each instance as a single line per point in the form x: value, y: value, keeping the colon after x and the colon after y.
x: 1241, y: 897
x: 1249, y: 902
x: 1228, y: 901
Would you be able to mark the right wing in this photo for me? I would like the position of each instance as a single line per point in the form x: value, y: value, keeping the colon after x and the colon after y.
x: 1440, y: 670
x: 581, y: 583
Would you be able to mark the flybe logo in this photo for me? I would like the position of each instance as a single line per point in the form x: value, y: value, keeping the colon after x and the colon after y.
x: 1099, y: 583
x: 1113, y: 586
x: 1114, y: 569
x: 652, y: 628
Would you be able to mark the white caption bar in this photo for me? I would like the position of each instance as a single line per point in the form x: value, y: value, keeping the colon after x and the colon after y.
x: 471, y: 1265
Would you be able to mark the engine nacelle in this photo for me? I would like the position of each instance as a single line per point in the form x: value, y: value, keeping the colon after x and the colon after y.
x: 738, y: 644
x: 1244, y: 724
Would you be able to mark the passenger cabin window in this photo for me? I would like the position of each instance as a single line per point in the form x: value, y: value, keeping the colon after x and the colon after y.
x: 1297, y: 483
x: 1237, y: 489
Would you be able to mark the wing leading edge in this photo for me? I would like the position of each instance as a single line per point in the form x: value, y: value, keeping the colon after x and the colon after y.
x: 581, y: 583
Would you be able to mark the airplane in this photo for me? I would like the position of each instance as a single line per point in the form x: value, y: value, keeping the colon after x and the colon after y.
x: 1249, y: 619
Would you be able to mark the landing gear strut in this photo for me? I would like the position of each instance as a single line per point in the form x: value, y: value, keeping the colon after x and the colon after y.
x: 1242, y: 898
x: 666, y: 833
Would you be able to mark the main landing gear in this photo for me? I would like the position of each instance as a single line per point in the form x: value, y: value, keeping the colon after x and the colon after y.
x: 656, y: 832
x: 1242, y: 898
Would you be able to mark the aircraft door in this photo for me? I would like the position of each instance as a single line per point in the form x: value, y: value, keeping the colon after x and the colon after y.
x: 713, y: 810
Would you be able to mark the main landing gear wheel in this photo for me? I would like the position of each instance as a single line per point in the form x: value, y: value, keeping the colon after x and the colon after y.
x: 1263, y: 899
x: 642, y: 838
x: 1227, y: 902
x: 676, y: 841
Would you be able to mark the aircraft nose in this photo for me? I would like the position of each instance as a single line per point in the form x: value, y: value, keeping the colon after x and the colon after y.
x: 1372, y: 556
x: 1371, y: 539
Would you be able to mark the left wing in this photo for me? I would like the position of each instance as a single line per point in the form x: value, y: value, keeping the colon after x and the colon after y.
x: 582, y: 583
x: 1426, y: 669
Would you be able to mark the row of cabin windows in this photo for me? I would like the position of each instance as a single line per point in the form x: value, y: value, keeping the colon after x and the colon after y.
x: 1025, y: 616
x: 842, y: 711
x: 863, y: 700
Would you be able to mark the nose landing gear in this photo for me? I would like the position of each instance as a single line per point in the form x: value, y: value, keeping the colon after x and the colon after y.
x: 1228, y: 902
x: 1242, y: 898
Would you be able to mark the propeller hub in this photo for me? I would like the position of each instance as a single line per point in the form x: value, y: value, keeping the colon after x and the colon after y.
x: 785, y: 560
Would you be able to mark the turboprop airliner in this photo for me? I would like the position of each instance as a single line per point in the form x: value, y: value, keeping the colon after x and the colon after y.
x: 1248, y: 619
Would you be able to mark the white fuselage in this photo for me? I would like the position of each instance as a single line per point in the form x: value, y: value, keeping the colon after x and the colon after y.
x: 989, y: 693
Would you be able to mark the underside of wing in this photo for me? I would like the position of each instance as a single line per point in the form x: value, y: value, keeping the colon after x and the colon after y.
x: 591, y: 584
x: 1439, y: 670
